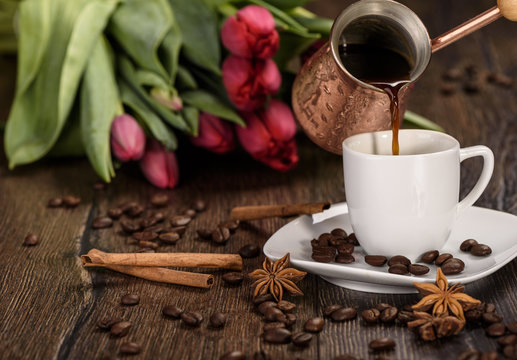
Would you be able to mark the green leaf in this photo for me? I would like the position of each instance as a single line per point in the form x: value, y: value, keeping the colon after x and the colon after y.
x: 128, y: 73
x: 98, y: 108
x: 207, y: 102
x: 283, y: 16
x: 316, y: 24
x: 169, y: 50
x: 70, y: 142
x: 191, y: 115
x: 151, y: 79
x: 140, y: 26
x: 421, y: 122
x: 47, y: 82
x: 287, y: 4
x: 185, y: 80
x: 292, y: 46
x: 147, y: 117
x: 198, y: 26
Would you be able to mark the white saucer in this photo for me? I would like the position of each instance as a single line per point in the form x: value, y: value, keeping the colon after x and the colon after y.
x: 494, y: 228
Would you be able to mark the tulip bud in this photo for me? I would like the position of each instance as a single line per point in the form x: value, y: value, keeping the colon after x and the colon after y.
x: 127, y: 138
x: 159, y: 166
x: 167, y: 99
x: 251, y: 33
x: 214, y: 134
x: 269, y: 136
x: 249, y: 82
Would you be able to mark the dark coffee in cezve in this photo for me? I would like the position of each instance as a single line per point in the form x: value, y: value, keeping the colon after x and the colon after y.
x: 383, y: 68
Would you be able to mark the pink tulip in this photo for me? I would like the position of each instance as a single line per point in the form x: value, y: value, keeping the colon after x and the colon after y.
x: 269, y: 136
x: 159, y: 166
x: 251, y: 33
x: 249, y: 82
x: 127, y: 138
x: 214, y: 134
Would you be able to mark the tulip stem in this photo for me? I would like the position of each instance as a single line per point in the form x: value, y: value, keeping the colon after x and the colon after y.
x: 421, y: 122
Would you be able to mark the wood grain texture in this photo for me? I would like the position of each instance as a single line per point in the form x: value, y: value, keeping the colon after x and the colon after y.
x: 49, y: 304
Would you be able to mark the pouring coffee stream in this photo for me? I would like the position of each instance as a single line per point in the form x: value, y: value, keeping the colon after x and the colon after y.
x: 376, y: 47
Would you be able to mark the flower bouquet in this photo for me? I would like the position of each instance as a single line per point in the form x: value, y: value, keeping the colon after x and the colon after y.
x: 119, y: 80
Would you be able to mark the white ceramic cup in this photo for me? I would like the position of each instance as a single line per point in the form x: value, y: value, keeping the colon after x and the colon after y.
x: 407, y: 204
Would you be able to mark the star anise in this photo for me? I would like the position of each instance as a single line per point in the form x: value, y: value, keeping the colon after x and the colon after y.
x: 275, y: 276
x: 444, y: 298
x: 430, y: 327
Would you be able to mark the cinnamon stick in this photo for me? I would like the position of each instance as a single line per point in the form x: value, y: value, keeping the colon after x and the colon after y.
x: 164, y: 275
x: 269, y: 211
x: 96, y: 257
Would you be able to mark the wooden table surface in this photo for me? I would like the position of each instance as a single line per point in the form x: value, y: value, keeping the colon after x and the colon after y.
x: 49, y: 304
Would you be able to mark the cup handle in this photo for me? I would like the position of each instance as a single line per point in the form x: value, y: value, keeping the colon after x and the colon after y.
x: 484, y: 178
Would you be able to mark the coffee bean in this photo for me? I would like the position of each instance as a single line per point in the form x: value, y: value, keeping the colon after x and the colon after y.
x: 277, y: 336
x: 399, y: 259
x: 343, y: 314
x: 453, y: 74
x: 448, y: 89
x: 107, y: 322
x: 474, y: 315
x: 467, y: 245
x: 324, y: 239
x: 370, y: 316
x: 102, y: 222
x: 490, y: 355
x: 135, y: 210
x: 352, y: 239
x: 149, y: 221
x: 172, y: 311
x: 145, y: 235
x: 510, y: 351
x: 31, y: 240
x: 442, y: 258
x: 389, y: 315
x: 500, y: 79
x: 382, y: 306
x: 398, y: 269
x: 273, y: 325
x: 492, y: 318
x: 345, y: 249
x: 249, y: 251
x: 405, y: 316
x: 231, y: 225
x: 180, y: 220
x: 340, y: 233
x: 507, y: 340
x: 453, y: 266
x: 301, y: 339
x: 192, y: 318
x: 160, y: 200
x: 480, y: 250
x: 71, y: 201
x: 221, y: 235
x: 314, y: 325
x: 496, y: 329
x: 286, y: 306
x: 148, y: 245
x: 322, y: 258
x: 489, y: 307
x: 330, y: 309
x: 218, y: 320
x: 233, y: 355
x: 115, y: 213
x: 344, y: 259
x: 204, y: 233
x: 55, y: 202
x: 120, y: 329
x: 130, y: 299
x: 178, y: 229
x: 264, y: 306
x: 233, y: 278
x: 262, y: 298
x: 199, y: 205
x: 190, y: 213
x: 290, y: 320
x: 129, y: 226
x: 375, y: 260
x: 274, y: 314
x: 512, y: 327
x: 429, y: 256
x: 382, y: 344
x: 417, y: 269
x: 130, y: 348
x: 169, y: 237
x: 472, y: 87
x: 469, y: 354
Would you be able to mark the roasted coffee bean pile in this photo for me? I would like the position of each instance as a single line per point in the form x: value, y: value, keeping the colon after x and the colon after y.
x: 472, y: 80
x: 335, y: 246
x: 447, y: 262
x: 476, y: 249
x: 221, y: 234
x: 398, y: 264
